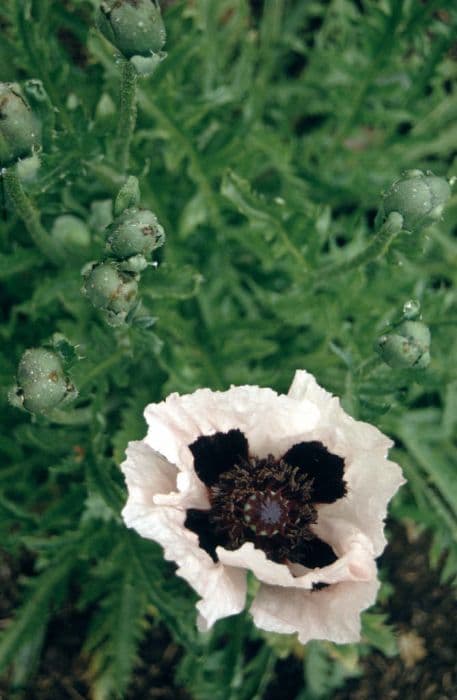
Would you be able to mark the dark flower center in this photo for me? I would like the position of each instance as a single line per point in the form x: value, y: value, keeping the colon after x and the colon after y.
x: 270, y: 502
x: 264, y: 501
x: 266, y: 514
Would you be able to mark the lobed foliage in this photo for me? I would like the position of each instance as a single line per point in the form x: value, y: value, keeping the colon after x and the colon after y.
x: 263, y: 143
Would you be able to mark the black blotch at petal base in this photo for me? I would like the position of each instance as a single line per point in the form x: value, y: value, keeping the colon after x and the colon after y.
x: 198, y: 522
x: 325, y: 468
x: 216, y: 454
x: 313, y: 553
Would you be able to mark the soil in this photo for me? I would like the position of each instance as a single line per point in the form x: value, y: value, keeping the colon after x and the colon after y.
x: 421, y: 609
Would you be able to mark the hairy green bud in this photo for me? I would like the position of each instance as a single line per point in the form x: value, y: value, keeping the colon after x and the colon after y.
x: 407, y: 346
x: 135, y: 27
x: 41, y: 382
x: 70, y: 232
x: 128, y: 196
x: 419, y: 197
x: 135, y: 232
x: 19, y: 128
x: 112, y: 290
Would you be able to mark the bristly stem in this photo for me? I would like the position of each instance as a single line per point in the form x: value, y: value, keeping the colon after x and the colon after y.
x: 376, y: 249
x: 127, y: 115
x: 26, y: 211
x: 75, y: 416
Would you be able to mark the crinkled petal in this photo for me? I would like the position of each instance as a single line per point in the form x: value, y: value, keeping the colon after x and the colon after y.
x: 271, y: 423
x: 346, y: 434
x: 332, y: 613
x: 355, y: 560
x: 371, y: 478
x: 222, y: 589
x: 146, y: 474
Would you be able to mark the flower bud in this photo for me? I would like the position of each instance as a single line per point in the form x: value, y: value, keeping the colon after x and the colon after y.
x: 128, y: 196
x: 419, y: 197
x: 111, y: 290
x: 135, y: 27
x: 71, y: 232
x: 19, y: 128
x: 41, y: 382
x: 135, y: 231
x: 408, y: 345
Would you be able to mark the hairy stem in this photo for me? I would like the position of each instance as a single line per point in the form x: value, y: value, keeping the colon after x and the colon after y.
x: 367, y: 367
x: 127, y: 116
x: 378, y: 247
x: 26, y: 211
x: 75, y: 416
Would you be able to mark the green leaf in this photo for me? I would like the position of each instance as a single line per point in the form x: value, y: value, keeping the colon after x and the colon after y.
x: 33, y: 615
x: 171, y: 282
x: 419, y: 435
x: 115, y: 632
x: 378, y: 634
x: 18, y: 261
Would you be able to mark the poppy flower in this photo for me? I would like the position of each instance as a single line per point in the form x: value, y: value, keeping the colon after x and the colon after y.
x: 289, y: 487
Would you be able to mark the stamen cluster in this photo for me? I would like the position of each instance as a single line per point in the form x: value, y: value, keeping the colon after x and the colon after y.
x: 265, y: 501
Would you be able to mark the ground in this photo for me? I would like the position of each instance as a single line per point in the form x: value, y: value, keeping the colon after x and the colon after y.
x: 421, y: 608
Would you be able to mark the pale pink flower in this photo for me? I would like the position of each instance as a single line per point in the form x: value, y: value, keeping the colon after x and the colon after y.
x: 287, y: 486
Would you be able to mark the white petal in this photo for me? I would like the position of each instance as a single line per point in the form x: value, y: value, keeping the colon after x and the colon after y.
x: 146, y: 474
x: 304, y: 387
x: 340, y: 432
x: 355, y: 560
x: 150, y: 478
x: 371, y: 478
x: 372, y: 481
x: 271, y: 423
x: 332, y: 613
x: 222, y: 589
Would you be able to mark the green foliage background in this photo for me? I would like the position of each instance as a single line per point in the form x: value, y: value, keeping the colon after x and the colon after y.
x: 263, y: 143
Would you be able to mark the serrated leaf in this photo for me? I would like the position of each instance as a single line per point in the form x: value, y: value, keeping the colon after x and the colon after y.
x: 45, y: 591
x: 18, y: 261
x: 378, y: 634
x: 171, y: 282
